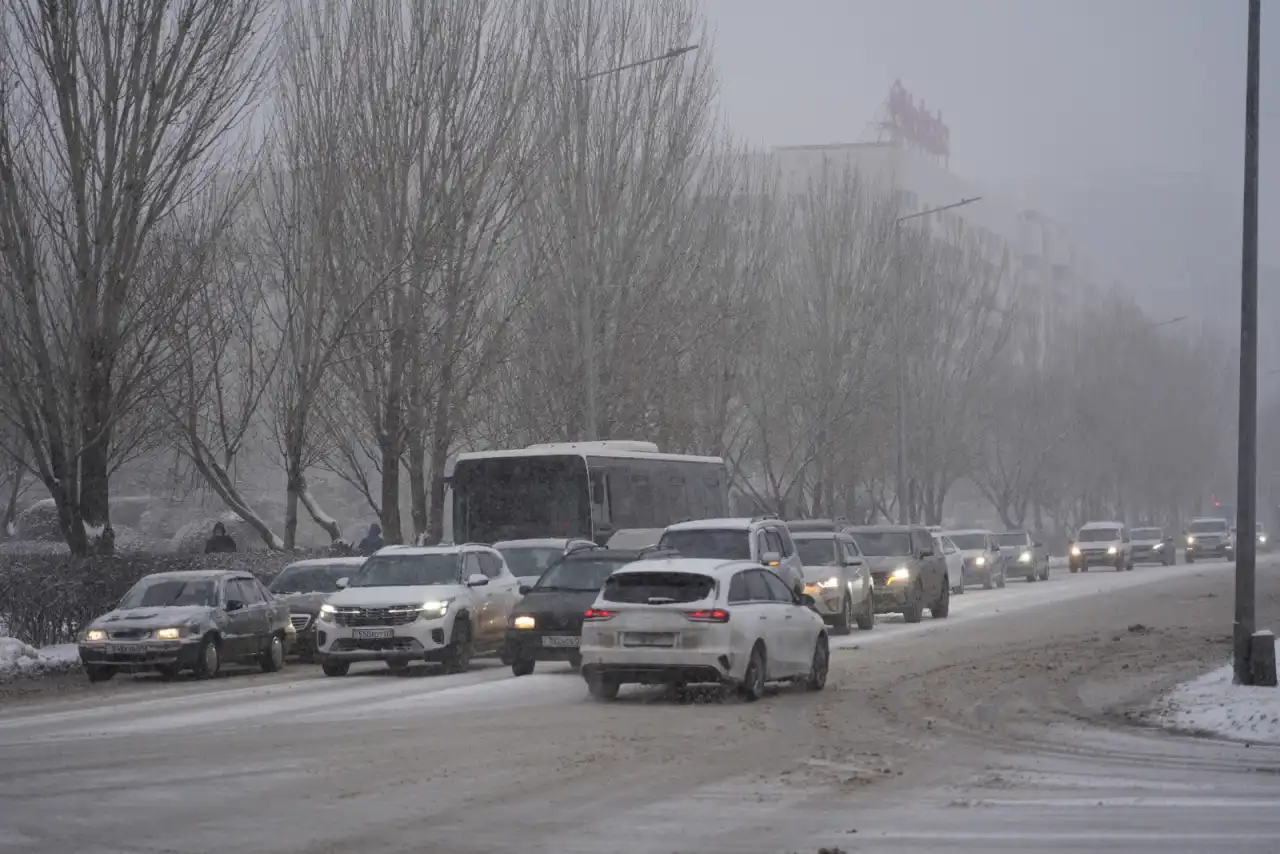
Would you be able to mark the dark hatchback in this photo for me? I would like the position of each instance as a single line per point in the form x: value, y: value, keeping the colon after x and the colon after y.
x: 305, y: 586
x: 546, y: 625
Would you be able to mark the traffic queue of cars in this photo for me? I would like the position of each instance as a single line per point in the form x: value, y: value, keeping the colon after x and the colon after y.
x: 735, y: 601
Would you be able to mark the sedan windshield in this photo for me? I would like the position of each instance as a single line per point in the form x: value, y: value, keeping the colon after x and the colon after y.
x: 395, y: 570
x: 530, y: 560
x: 1147, y: 533
x: 1207, y: 526
x: 725, y: 545
x: 312, y: 579
x: 969, y: 542
x: 1099, y: 535
x: 883, y: 543
x: 1013, y: 538
x: 582, y: 575
x: 816, y: 551
x: 165, y: 592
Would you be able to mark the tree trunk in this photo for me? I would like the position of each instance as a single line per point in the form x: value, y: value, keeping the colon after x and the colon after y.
x: 293, y: 489
x: 416, y: 461
x: 439, y: 459
x: 11, y: 505
x: 96, y: 434
x: 326, y: 522
x: 389, y: 444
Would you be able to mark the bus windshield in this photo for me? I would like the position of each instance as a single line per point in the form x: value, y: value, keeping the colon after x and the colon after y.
x: 516, y: 498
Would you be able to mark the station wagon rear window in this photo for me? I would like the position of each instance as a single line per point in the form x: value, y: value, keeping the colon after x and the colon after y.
x: 657, y: 588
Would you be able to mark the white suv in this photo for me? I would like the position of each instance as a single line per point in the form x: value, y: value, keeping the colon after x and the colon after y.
x: 415, y: 603
x: 761, y: 539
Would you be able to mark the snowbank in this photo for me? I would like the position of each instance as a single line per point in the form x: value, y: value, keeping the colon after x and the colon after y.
x: 1212, y: 704
x: 19, y: 660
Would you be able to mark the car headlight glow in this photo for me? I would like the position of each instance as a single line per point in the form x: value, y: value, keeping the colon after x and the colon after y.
x: 1111, y: 550
x: 1157, y: 547
x: 980, y: 560
x: 328, y: 609
x: 95, y: 635
x: 524, y: 621
x: 435, y: 608
x: 1262, y: 538
x: 900, y: 574
x: 168, y: 634
x: 1025, y: 557
x: 1191, y: 541
x: 830, y: 582
x: 1075, y: 551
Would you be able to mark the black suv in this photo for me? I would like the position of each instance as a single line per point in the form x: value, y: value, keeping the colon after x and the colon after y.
x: 546, y: 625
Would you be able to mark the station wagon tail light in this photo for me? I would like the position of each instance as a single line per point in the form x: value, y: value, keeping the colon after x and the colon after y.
x: 593, y: 615
x: 707, y: 615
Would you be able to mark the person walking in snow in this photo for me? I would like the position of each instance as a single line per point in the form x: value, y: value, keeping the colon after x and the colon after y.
x: 372, y: 541
x: 220, y: 542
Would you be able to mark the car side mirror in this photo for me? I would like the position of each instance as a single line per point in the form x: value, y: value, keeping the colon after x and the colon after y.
x: 477, y: 579
x: 234, y: 604
x: 853, y: 561
x: 771, y: 558
x: 524, y: 589
x: 341, y: 583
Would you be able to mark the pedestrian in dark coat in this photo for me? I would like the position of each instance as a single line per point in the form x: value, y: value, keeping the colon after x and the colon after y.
x: 220, y: 542
x: 372, y: 541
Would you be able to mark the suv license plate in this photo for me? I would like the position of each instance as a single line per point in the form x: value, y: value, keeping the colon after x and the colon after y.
x: 560, y: 640
x: 371, y: 634
x: 128, y: 648
x: 649, y: 639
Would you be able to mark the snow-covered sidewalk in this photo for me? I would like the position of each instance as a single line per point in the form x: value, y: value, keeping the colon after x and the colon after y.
x: 18, y: 659
x: 1212, y: 704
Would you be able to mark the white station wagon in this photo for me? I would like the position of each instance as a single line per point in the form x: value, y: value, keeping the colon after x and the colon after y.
x: 684, y: 620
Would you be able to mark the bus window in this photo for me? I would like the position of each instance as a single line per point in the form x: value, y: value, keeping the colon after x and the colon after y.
x: 677, y: 499
x: 645, y: 512
x: 600, y: 515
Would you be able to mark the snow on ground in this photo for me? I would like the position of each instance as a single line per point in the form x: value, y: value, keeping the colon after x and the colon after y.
x: 1212, y: 704
x: 18, y: 659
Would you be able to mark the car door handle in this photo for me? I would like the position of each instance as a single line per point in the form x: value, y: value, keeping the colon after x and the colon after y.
x: 789, y: 616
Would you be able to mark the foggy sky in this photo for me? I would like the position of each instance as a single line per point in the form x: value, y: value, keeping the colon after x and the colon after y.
x: 1120, y: 118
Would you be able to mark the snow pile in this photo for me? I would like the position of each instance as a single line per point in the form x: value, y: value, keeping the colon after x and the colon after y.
x: 1212, y: 704
x: 19, y: 660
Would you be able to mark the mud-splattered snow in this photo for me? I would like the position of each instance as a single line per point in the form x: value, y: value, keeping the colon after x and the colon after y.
x: 1212, y: 704
x: 18, y: 659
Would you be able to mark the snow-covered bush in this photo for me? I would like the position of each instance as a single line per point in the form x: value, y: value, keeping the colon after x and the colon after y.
x: 20, y: 660
x: 39, y: 523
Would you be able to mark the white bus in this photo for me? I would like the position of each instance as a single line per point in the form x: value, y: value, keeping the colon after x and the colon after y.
x: 580, y: 489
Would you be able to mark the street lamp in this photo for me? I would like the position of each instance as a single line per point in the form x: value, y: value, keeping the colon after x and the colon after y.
x: 900, y: 353
x: 586, y: 283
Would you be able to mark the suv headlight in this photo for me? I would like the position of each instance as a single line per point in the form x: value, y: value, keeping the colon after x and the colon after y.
x: 1025, y: 557
x: 326, y: 612
x: 1111, y: 550
x: 1191, y: 541
x: 435, y: 609
x: 900, y: 574
x: 1075, y: 551
x: 95, y: 635
x: 980, y: 561
x: 524, y: 621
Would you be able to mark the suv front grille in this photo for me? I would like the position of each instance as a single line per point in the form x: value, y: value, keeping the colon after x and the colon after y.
x: 393, y: 615
x: 300, y: 621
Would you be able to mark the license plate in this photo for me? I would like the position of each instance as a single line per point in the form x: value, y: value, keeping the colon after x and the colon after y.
x: 649, y: 639
x: 371, y: 634
x: 561, y: 640
x: 129, y: 648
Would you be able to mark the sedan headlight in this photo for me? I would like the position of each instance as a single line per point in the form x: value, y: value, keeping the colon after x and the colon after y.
x: 900, y: 574
x: 1191, y: 541
x: 1157, y: 547
x: 1075, y: 551
x: 1262, y: 538
x: 1111, y: 550
x: 980, y: 561
x: 95, y: 635
x: 1025, y: 557
x: 524, y: 621
x: 830, y: 582
x: 168, y: 634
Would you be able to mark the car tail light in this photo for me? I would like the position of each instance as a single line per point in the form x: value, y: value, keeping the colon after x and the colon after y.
x: 597, y: 614
x: 707, y: 615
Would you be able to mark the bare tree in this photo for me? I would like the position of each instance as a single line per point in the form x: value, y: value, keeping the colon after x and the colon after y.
x: 110, y: 115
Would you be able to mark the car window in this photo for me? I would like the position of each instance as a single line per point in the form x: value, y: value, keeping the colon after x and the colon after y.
x: 817, y: 551
x: 949, y: 546
x: 773, y: 542
x: 778, y: 591
x: 235, y: 592
x: 657, y: 587
x: 923, y: 542
x: 757, y: 589
x: 850, y: 550
x: 722, y: 544
x: 738, y: 589
x: 263, y: 592
x: 788, y: 547
x: 470, y: 565
x: 490, y: 564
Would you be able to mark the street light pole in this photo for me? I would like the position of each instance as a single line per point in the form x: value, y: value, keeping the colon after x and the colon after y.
x: 900, y: 351
x: 586, y: 280
x: 1246, y: 462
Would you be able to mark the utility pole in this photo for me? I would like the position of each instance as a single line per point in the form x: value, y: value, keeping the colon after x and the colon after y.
x: 581, y: 244
x: 1247, y: 464
x: 900, y: 350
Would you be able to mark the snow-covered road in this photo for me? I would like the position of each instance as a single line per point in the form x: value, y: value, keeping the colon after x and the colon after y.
x: 981, y: 728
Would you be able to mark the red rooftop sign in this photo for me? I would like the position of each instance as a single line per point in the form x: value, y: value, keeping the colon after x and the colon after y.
x: 916, y: 124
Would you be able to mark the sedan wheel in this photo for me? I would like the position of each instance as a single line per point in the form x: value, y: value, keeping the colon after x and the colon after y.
x: 821, y: 664
x: 752, y: 687
x: 272, y: 658
x: 603, y: 687
x: 208, y: 659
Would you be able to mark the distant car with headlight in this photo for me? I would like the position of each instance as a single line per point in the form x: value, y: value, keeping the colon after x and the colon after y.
x: 1151, y: 545
x: 305, y: 586
x: 1208, y: 537
x: 198, y: 621
x: 1024, y: 555
x: 984, y: 563
x: 441, y: 604
x: 837, y: 578
x: 1264, y: 541
x: 907, y: 571
x: 1103, y: 544
x: 546, y: 624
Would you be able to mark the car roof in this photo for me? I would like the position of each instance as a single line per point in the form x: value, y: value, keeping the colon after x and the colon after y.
x: 619, y: 554
x: 202, y: 574
x: 817, y: 534
x: 1087, y: 525
x: 965, y: 531
x: 1222, y: 519
x: 887, y: 529
x: 697, y: 565
x: 809, y: 525
x: 728, y: 523
x: 327, y: 561
x: 1016, y: 531
x: 428, y: 550
x: 534, y: 543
